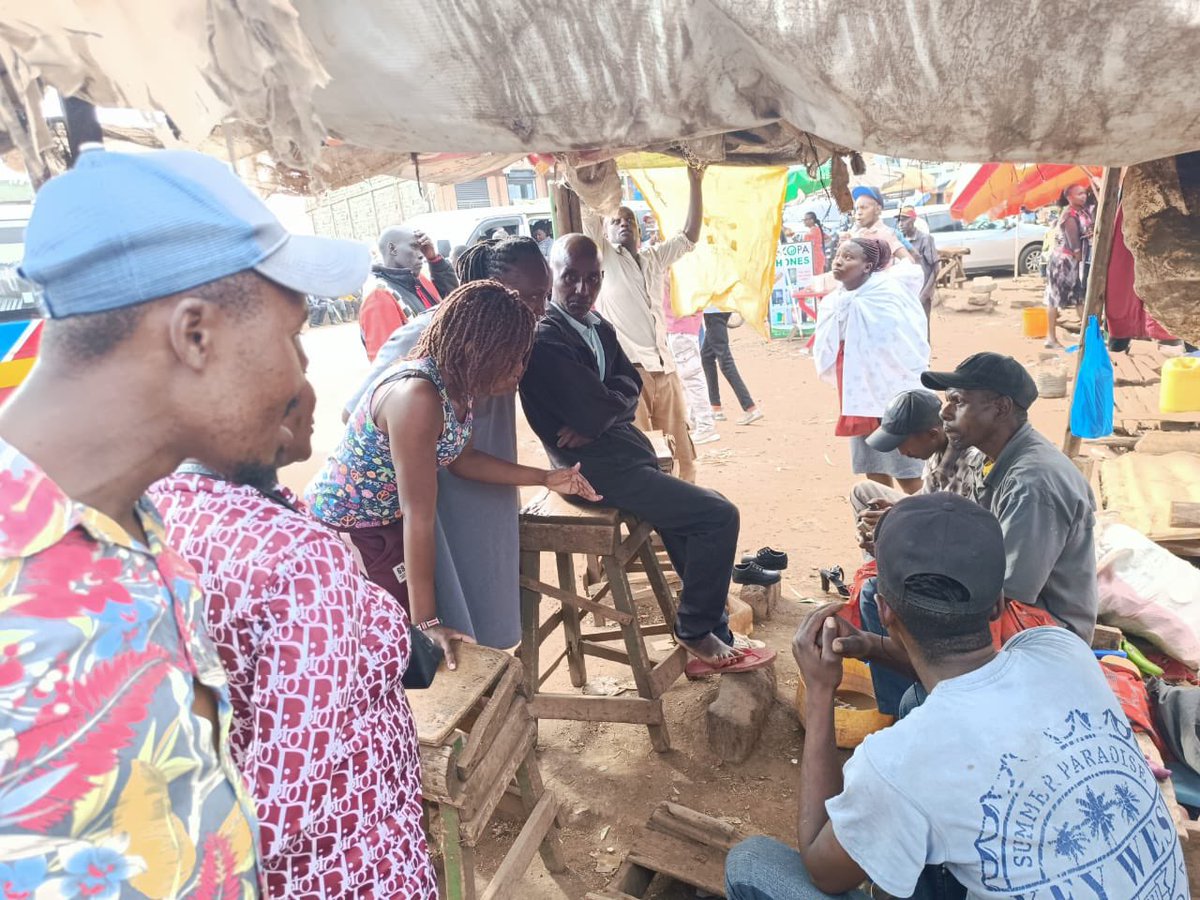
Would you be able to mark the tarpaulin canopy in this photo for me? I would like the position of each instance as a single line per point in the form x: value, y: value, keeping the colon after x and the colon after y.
x: 941, y: 79
x: 1001, y: 189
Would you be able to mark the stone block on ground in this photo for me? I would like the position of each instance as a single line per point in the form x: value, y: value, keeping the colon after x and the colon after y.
x: 736, y: 718
x: 762, y: 600
x: 741, y: 616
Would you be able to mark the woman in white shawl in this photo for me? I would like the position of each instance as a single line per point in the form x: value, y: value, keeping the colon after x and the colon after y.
x: 872, y: 343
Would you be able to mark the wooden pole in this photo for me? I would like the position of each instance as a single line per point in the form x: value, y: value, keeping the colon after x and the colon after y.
x: 1093, y: 304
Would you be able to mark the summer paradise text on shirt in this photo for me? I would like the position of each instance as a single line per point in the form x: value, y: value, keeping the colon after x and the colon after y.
x: 1084, y: 822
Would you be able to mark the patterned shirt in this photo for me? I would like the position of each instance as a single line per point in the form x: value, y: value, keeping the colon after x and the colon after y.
x: 110, y: 785
x: 957, y: 471
x: 315, y: 654
x: 356, y: 487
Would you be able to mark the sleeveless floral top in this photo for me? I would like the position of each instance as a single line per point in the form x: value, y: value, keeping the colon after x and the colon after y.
x: 356, y: 488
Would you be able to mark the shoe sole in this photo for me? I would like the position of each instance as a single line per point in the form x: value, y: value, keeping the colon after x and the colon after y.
x: 706, y: 439
x: 751, y: 420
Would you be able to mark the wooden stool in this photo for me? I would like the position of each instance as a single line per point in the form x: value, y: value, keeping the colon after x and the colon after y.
x: 551, y: 524
x: 476, y: 738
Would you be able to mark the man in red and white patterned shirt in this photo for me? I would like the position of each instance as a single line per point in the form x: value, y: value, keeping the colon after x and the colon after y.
x: 315, y: 654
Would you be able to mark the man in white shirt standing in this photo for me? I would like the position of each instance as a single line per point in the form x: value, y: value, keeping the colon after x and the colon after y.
x: 631, y: 300
x: 1019, y: 776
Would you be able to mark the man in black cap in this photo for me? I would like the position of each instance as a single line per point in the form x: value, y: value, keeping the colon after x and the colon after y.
x: 1045, y: 506
x: 996, y: 786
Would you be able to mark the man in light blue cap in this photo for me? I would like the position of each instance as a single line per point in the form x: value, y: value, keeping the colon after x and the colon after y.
x: 175, y: 303
x: 868, y: 210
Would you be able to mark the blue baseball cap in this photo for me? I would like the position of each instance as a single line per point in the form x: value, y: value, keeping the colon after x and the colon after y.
x: 120, y: 229
x: 866, y: 191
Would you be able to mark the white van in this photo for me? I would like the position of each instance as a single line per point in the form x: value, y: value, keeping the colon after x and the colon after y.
x: 465, y: 227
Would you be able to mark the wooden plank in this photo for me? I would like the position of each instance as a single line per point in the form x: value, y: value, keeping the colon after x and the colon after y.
x: 630, y: 880
x: 529, y: 784
x: 547, y: 590
x: 667, y: 672
x: 439, y: 772
x: 1093, y: 303
x: 488, y: 725
x: 627, y: 710
x: 492, y: 776
x: 531, y: 601
x: 440, y: 707
x: 612, y: 654
x: 558, y: 537
x: 691, y: 862
x: 517, y: 860
x: 1158, y: 443
x: 547, y: 628
x: 554, y: 664
x: 1185, y: 515
x: 572, y: 618
x: 671, y: 818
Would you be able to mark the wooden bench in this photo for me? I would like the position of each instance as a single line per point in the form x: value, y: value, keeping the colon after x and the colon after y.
x: 551, y: 524
x: 477, y: 744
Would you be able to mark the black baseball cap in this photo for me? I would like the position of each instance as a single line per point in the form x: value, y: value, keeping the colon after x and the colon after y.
x: 987, y: 372
x: 910, y: 412
x: 940, y: 534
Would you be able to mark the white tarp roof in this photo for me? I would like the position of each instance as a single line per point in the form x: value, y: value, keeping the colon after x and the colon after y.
x: 1043, y: 80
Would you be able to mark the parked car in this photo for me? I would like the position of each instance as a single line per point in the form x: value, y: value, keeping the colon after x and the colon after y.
x: 465, y: 227
x: 994, y: 243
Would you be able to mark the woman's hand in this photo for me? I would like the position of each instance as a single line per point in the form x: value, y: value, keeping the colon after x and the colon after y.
x: 570, y: 481
x: 445, y: 637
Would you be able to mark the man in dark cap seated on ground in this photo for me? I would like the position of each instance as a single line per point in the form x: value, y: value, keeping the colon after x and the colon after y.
x: 580, y: 395
x: 996, y: 786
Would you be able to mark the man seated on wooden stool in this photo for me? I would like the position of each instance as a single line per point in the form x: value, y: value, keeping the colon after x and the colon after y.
x: 1019, y: 776
x: 580, y: 394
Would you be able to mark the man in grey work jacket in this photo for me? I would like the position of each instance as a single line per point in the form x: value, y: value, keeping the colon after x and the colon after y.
x: 1044, y: 504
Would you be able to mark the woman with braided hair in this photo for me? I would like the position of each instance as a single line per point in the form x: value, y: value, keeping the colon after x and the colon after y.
x: 476, y: 577
x: 380, y: 485
x: 871, y: 342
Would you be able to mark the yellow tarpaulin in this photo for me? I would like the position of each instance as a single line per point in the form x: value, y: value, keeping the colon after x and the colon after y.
x: 733, y: 266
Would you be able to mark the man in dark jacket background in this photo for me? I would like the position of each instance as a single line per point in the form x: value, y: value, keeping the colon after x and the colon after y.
x: 580, y: 394
x: 397, y: 290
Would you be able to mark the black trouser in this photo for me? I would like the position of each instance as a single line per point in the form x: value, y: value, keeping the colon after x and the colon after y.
x: 716, y: 350
x: 699, y: 529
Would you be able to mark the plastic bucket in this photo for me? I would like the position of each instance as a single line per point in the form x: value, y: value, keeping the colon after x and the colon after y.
x: 1034, y: 323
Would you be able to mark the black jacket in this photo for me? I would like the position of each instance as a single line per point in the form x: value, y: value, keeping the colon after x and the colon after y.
x: 562, y: 386
x: 412, y: 292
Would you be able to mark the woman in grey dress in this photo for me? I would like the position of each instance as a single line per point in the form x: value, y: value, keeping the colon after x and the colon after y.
x: 476, y: 578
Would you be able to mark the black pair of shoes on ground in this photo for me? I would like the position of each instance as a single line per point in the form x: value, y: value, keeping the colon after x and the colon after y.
x: 762, y: 568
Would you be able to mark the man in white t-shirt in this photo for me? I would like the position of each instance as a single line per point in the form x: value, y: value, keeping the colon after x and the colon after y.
x: 1018, y: 777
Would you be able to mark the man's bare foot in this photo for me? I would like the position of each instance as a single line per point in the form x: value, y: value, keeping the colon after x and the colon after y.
x: 1052, y: 344
x: 711, y: 649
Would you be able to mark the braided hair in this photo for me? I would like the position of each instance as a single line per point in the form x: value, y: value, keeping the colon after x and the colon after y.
x: 479, y: 334
x: 877, y: 254
x: 494, y: 257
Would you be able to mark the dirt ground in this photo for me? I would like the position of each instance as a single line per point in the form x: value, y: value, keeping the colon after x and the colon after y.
x: 789, y: 476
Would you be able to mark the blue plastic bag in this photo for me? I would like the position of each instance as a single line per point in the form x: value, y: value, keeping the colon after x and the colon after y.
x: 1092, y: 405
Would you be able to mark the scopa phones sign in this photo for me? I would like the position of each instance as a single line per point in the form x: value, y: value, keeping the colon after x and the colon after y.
x: 793, y: 272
